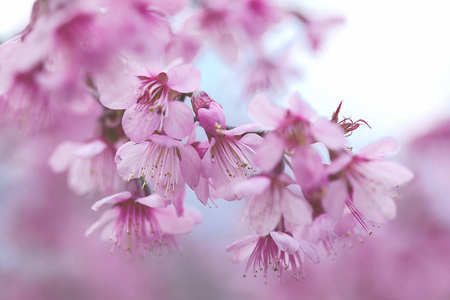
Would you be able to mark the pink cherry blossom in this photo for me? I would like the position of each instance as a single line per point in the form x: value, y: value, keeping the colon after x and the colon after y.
x: 230, y: 153
x: 148, y: 95
x: 364, y: 183
x: 295, y: 127
x: 327, y: 231
x: 276, y: 250
x: 162, y: 161
x: 90, y: 166
x: 270, y: 202
x: 142, y: 223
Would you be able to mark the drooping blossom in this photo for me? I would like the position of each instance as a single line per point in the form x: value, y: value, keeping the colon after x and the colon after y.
x: 164, y: 162
x: 229, y: 155
x: 91, y: 166
x: 327, y: 231
x: 142, y: 223
x: 270, y: 201
x: 149, y: 96
x: 276, y: 250
x: 364, y: 183
x: 293, y: 128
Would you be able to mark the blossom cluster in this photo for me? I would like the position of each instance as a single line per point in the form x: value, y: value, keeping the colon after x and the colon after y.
x: 130, y: 66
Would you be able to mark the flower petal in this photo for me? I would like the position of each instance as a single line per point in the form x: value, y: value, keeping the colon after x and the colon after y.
x: 91, y: 149
x: 308, y: 169
x: 179, y: 121
x: 296, y: 211
x: 379, y: 149
x: 334, y: 200
x: 310, y: 251
x: 264, y: 112
x: 154, y: 200
x: 376, y: 205
x: 184, y: 78
x: 139, y: 123
x: 105, y: 218
x: 300, y: 108
x: 118, y: 92
x: 190, y: 165
x: 116, y: 198
x: 285, y: 242
x: 328, y: 133
x: 63, y: 156
x: 172, y: 224
x: 264, y: 211
x: 128, y: 157
x: 270, y: 152
x: 242, y: 242
x: 240, y: 130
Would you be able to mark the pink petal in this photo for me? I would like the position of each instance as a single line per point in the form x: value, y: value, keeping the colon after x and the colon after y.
x: 310, y: 251
x: 244, y: 253
x: 242, y: 129
x: 334, y: 199
x: 264, y: 211
x: 154, y: 200
x: 165, y: 141
x: 193, y: 135
x: 105, y: 218
x: 377, y: 205
x: 328, y: 133
x: 308, y: 168
x: 207, y: 162
x: 178, y: 199
x: 339, y: 163
x: 111, y: 200
x: 285, y: 242
x: 139, y: 124
x: 78, y: 177
x: 128, y: 157
x: 393, y: 173
x: 118, y: 92
x: 190, y: 165
x: 202, y: 190
x: 242, y: 242
x: 184, y: 78
x: 210, y: 117
x: 379, y: 149
x: 300, y: 108
x: 172, y: 224
x: 295, y: 210
x: 252, y: 140
x: 249, y: 187
x: 179, y: 121
x: 63, y: 156
x: 264, y: 112
x: 270, y: 153
x: 91, y: 149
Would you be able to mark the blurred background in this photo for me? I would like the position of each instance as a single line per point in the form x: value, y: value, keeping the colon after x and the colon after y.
x: 389, y: 61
